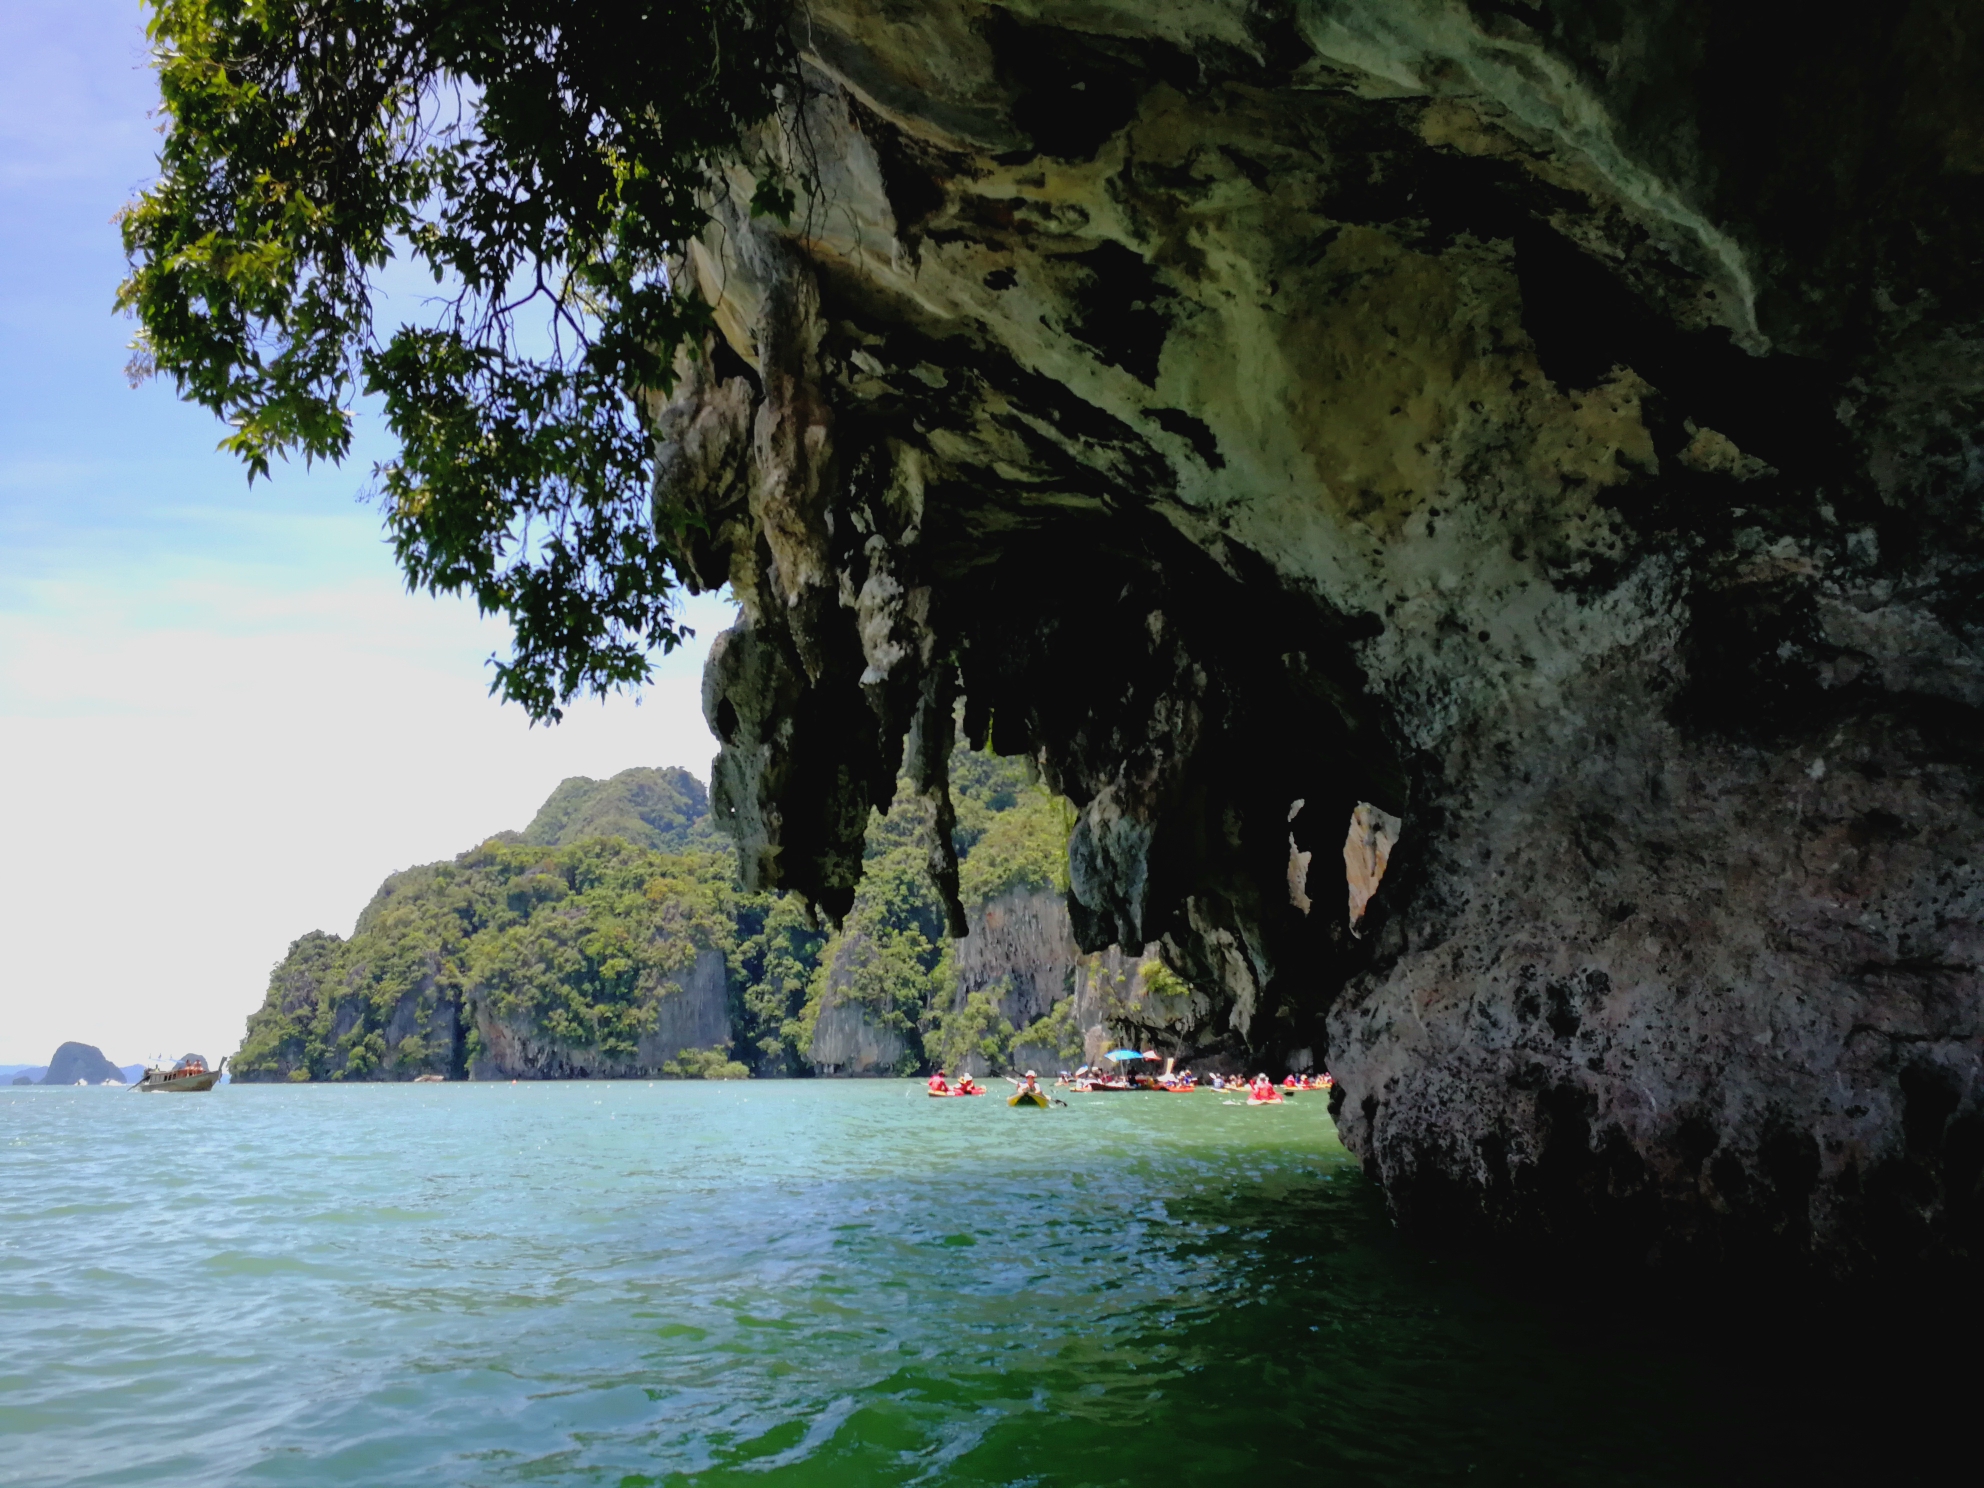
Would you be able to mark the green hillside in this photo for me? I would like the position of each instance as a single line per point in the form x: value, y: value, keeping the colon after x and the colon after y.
x: 892, y: 954
x: 665, y: 810
x: 572, y: 938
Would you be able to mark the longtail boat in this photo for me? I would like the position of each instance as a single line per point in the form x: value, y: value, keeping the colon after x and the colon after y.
x: 191, y: 1073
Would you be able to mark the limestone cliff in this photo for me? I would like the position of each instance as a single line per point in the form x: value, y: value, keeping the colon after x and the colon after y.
x: 1063, y: 1006
x: 1550, y: 429
x: 849, y: 1036
x: 81, y: 1064
x: 593, y: 956
x: 689, y: 1011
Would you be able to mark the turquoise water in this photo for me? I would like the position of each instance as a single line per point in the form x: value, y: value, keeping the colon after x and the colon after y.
x: 767, y: 1283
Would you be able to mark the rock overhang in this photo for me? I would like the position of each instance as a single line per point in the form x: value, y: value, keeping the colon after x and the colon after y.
x: 1473, y: 416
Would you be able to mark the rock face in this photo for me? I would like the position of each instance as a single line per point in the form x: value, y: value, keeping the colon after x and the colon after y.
x: 1066, y: 1006
x: 1022, y: 949
x: 691, y: 1013
x: 849, y: 1038
x: 80, y: 1062
x: 1551, y: 429
x: 595, y: 945
x: 1069, y: 1005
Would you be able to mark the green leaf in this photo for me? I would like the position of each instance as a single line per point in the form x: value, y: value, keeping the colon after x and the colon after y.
x: 545, y: 173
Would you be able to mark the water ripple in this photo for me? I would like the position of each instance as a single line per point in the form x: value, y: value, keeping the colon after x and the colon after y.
x: 804, y: 1283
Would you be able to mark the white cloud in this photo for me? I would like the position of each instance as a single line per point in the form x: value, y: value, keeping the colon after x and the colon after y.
x: 182, y: 799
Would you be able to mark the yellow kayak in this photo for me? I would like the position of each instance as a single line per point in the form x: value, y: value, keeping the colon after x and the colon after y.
x: 1028, y: 1098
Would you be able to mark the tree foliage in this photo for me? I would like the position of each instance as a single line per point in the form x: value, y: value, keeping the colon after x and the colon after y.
x: 575, y: 932
x: 540, y: 161
x: 579, y: 945
x: 891, y: 956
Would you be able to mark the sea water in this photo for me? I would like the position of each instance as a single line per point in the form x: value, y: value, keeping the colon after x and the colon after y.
x: 773, y: 1283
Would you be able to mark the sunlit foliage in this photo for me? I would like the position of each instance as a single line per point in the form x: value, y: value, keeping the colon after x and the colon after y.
x: 539, y: 161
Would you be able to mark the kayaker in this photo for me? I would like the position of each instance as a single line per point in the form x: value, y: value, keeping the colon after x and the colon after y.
x: 967, y: 1085
x: 937, y: 1084
x: 1030, y: 1085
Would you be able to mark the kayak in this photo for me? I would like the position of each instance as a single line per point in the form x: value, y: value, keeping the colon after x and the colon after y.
x: 1028, y: 1098
x: 950, y: 1094
x: 1265, y: 1100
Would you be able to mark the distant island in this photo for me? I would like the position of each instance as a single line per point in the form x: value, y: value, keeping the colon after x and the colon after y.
x: 610, y: 938
x: 72, y: 1064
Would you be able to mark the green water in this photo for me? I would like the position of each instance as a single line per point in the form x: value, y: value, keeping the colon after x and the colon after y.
x: 768, y: 1283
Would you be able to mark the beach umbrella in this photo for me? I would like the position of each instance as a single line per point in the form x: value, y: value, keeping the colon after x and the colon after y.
x: 1120, y: 1054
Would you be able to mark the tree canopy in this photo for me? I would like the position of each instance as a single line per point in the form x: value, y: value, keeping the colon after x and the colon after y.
x: 541, y: 160
x: 577, y: 932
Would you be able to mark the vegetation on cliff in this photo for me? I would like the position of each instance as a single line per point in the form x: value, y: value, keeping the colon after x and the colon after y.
x: 579, y: 943
x: 577, y: 931
x: 665, y: 810
x: 892, y: 957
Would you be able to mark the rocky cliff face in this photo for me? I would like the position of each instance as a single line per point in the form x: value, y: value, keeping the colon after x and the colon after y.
x: 83, y: 1064
x: 690, y: 1012
x: 1069, y: 1006
x: 1550, y: 429
x: 1064, y: 1006
x: 851, y: 1038
x: 592, y: 957
x: 1022, y: 950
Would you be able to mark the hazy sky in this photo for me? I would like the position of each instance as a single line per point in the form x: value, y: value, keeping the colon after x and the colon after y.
x: 222, y: 719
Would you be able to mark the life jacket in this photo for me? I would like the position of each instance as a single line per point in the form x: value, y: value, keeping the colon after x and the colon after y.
x: 937, y: 1084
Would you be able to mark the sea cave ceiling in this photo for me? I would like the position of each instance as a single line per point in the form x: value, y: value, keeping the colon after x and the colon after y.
x: 1551, y: 431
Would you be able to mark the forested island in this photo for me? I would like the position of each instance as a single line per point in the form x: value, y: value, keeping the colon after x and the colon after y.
x: 611, y: 937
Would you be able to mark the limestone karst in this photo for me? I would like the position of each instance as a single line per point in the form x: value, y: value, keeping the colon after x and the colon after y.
x: 1551, y: 428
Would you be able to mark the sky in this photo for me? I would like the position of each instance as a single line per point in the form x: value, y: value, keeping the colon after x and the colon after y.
x: 223, y: 721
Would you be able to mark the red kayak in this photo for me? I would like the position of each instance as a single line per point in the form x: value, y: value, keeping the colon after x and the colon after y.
x: 1272, y: 1098
x: 950, y: 1094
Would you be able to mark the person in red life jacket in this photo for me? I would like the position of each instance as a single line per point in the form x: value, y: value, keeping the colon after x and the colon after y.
x: 1290, y: 1083
x: 1264, y: 1089
x: 967, y: 1085
x: 937, y: 1085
